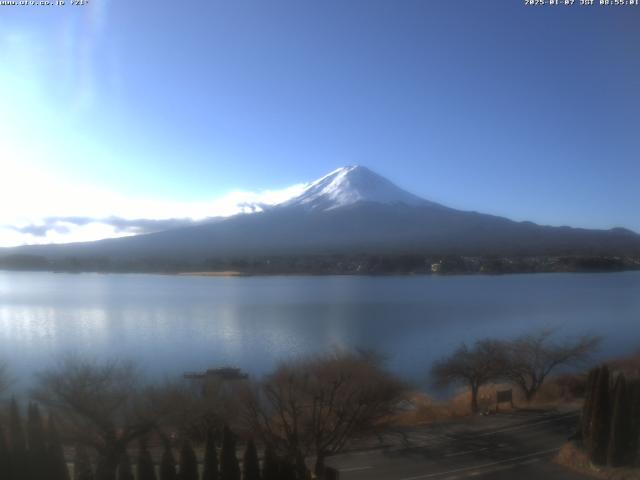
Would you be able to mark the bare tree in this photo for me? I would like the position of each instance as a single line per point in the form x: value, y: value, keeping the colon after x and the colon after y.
x: 179, y: 408
x: 97, y: 405
x: 192, y: 409
x: 4, y: 378
x: 472, y: 367
x: 315, y: 406
x: 531, y: 358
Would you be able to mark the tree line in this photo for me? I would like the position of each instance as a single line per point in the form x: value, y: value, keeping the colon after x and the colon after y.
x: 33, y: 450
x: 111, y: 423
x: 114, y: 426
x: 330, y: 264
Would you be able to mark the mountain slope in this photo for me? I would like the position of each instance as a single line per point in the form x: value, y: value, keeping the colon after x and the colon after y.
x: 354, y: 211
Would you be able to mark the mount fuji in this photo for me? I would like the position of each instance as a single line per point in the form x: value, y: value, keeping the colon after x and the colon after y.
x: 350, y: 211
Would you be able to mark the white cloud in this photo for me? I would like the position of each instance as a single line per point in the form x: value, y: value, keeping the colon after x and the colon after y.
x: 73, y: 233
x: 31, y: 198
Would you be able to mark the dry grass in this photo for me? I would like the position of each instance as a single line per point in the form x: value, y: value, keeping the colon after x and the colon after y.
x: 564, y: 390
x: 558, y: 392
x: 572, y: 457
x: 551, y: 395
x: 425, y: 410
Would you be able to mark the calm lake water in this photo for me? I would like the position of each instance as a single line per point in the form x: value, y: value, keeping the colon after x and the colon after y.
x: 171, y: 324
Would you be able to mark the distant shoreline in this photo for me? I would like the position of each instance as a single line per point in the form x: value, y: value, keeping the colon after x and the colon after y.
x: 319, y: 265
x: 226, y: 273
x: 233, y: 274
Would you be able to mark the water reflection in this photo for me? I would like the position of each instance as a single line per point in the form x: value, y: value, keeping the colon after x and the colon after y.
x: 172, y: 324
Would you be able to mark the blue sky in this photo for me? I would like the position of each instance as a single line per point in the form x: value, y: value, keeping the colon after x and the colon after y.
x: 158, y: 109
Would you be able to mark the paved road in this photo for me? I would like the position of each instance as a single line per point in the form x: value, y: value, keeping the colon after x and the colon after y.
x: 518, y: 445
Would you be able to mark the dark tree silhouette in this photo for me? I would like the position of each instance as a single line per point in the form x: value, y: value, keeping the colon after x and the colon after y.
x: 610, y: 423
x: 35, y: 430
x: 82, y: 464
x: 600, y: 419
x: 287, y: 469
x: 620, y: 435
x: 4, y: 378
x: 168, y: 465
x: 16, y: 432
x: 17, y: 443
x: 587, y: 407
x: 250, y: 463
x: 4, y: 456
x: 473, y: 367
x: 210, y: 470
x: 270, y: 465
x: 57, y: 463
x: 145, y: 468
x: 125, y: 471
x: 37, y: 444
x: 188, y: 462
x: 634, y: 395
x: 229, y: 468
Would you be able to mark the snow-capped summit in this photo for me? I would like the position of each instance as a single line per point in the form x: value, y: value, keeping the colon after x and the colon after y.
x: 349, y: 185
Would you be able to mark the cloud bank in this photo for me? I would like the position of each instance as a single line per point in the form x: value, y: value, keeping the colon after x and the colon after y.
x: 38, y: 208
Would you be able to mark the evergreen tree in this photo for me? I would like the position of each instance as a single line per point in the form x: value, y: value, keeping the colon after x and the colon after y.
x: 229, y: 468
x: 634, y: 399
x: 270, y: 466
x: 210, y: 471
x: 168, y: 465
x: 16, y: 433
x: 145, y: 469
x: 106, y: 466
x: 37, y: 447
x: 35, y: 430
x: 17, y: 444
x: 82, y: 465
x: 620, y: 423
x: 56, y: 461
x: 301, y: 470
x: 587, y: 408
x: 251, y: 464
x: 600, y: 419
x: 4, y: 456
x: 287, y: 469
x: 188, y: 462
x: 124, y: 467
x: 634, y: 428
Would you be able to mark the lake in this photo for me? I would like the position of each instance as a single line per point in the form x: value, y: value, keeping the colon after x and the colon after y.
x: 171, y: 324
